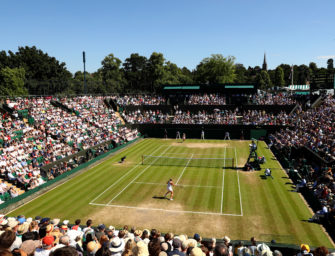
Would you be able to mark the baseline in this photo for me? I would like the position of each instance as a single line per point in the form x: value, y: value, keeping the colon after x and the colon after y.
x: 166, y: 210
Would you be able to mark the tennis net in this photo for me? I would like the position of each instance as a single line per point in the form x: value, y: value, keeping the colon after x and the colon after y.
x: 190, y: 162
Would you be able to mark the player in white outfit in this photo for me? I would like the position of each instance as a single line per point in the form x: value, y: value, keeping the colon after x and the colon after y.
x: 170, y: 185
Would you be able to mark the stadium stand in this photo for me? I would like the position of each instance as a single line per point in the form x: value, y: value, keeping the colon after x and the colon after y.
x: 54, y: 133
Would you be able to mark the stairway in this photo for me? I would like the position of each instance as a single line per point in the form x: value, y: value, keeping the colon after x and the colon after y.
x: 119, y: 116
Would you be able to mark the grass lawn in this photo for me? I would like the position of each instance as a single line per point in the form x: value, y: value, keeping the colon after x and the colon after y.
x: 211, y: 201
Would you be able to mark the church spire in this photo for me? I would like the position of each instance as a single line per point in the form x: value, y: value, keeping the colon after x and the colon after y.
x: 265, y: 65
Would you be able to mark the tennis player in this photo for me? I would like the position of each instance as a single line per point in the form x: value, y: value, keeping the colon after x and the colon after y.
x: 170, y: 185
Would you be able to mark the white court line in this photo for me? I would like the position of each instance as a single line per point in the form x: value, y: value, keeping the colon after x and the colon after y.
x: 123, y: 176
x: 184, y: 170
x: 223, y: 172
x: 136, y: 177
x: 238, y: 181
x: 193, y: 154
x: 165, y: 210
x: 180, y: 185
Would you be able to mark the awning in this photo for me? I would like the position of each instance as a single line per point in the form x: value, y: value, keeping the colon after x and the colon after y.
x: 299, y: 87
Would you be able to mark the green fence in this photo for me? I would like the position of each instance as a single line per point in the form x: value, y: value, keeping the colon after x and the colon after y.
x: 62, y: 176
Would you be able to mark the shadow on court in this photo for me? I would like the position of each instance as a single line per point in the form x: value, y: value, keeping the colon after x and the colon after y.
x: 159, y: 197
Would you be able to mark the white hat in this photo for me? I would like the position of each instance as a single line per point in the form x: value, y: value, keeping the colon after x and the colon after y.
x: 56, y: 222
x: 12, y: 222
x: 65, y: 222
x: 262, y: 248
x: 226, y: 239
x: 116, y: 245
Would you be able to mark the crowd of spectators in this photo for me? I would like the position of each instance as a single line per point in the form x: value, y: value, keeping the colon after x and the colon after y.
x: 43, y: 237
x: 217, y: 116
x: 225, y: 117
x: 261, y: 98
x: 280, y: 98
x: 206, y: 99
x: 55, y: 133
x: 139, y: 100
x: 259, y: 117
x: 146, y: 117
x: 314, y: 128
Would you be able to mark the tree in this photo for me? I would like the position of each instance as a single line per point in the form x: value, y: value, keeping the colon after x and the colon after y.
x: 216, y: 69
x: 4, y: 60
x: 279, y: 77
x: 302, y: 74
x: 188, y: 75
x: 240, y: 72
x: 12, y: 82
x: 260, y: 81
x: 112, y: 76
x: 174, y: 75
x: 330, y: 64
x: 155, y: 70
x: 44, y: 74
x: 266, y: 78
x: 134, y: 69
x: 313, y: 68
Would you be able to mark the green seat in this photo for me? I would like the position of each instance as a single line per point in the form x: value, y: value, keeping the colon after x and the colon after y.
x: 7, y: 196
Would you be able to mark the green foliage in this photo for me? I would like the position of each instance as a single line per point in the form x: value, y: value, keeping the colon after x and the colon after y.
x: 240, y: 72
x: 263, y: 80
x: 216, y: 69
x: 279, y: 77
x: 135, y: 72
x: 155, y: 69
x: 112, y: 75
x: 12, y: 82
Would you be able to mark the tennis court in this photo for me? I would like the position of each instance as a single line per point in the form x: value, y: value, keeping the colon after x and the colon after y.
x: 196, y: 172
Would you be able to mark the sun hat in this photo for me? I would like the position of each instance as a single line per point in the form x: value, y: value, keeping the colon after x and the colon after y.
x: 141, y: 249
x: 12, y: 222
x: 196, y: 251
x: 116, y: 244
x: 226, y: 239
x: 192, y: 243
x: 55, y: 221
x: 92, y: 247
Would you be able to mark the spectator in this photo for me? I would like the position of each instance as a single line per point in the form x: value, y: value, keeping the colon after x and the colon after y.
x: 47, y: 244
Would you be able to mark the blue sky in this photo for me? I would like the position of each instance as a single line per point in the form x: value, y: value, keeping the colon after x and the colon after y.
x: 289, y: 31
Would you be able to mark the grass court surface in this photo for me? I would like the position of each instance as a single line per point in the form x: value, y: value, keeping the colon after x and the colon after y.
x: 210, y: 201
